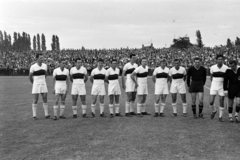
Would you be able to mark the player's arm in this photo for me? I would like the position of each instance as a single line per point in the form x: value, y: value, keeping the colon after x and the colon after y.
x: 123, y: 79
x: 54, y: 81
x: 189, y: 74
x: 204, y: 76
x: 106, y: 77
x: 184, y: 75
x: 70, y: 76
x: 46, y: 72
x: 85, y: 76
x: 91, y: 77
x: 133, y: 77
x: 225, y: 82
x: 68, y: 83
x: 31, y: 77
x: 211, y: 74
x: 154, y: 76
x: 31, y: 74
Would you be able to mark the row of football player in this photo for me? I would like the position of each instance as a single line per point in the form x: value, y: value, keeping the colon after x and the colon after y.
x: 136, y: 83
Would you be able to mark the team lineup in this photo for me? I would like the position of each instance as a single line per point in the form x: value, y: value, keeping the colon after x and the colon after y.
x: 225, y: 81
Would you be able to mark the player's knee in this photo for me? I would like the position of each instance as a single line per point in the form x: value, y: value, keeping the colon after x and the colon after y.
x: 201, y: 103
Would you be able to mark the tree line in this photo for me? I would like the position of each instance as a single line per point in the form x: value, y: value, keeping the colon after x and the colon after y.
x: 184, y: 42
x: 22, y: 42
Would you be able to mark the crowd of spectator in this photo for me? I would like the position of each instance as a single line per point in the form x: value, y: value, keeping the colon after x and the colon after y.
x: 22, y: 60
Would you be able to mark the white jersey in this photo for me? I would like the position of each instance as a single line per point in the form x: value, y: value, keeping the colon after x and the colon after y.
x: 78, y: 74
x: 112, y: 75
x: 98, y: 76
x: 177, y: 75
x: 142, y: 74
x: 217, y: 76
x: 161, y: 75
x: 39, y: 73
x: 60, y: 75
x: 129, y: 68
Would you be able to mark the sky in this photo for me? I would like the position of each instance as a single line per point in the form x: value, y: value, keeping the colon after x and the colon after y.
x: 122, y: 23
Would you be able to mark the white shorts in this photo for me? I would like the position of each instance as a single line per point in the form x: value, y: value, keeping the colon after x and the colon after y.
x: 39, y: 88
x: 220, y: 92
x: 161, y: 89
x: 130, y: 85
x: 114, y: 89
x: 142, y: 89
x: 98, y: 89
x: 78, y: 89
x: 60, y: 88
x: 178, y: 87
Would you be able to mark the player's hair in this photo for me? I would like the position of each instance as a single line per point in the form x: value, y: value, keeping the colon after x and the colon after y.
x: 77, y: 59
x: 219, y: 55
x: 176, y: 59
x: 100, y: 60
x: 132, y: 55
x: 197, y: 58
x: 61, y: 59
x: 113, y: 60
x: 233, y: 62
x: 38, y: 54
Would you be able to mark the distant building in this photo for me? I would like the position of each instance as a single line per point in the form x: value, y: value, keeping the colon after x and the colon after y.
x: 148, y: 47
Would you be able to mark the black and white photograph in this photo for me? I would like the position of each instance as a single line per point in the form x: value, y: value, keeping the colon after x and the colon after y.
x: 119, y: 79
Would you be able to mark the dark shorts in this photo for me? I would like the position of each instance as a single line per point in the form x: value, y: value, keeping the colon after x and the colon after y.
x: 233, y: 91
x: 196, y: 87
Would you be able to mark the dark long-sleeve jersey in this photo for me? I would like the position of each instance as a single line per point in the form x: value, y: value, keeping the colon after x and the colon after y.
x: 196, y: 75
x: 231, y: 78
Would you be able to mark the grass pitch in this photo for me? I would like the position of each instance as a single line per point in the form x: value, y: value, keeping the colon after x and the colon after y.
x: 109, y: 138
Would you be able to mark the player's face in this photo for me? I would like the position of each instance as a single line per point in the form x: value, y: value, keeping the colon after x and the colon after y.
x: 197, y: 63
x: 144, y: 62
x: 100, y: 64
x: 133, y: 59
x: 40, y: 58
x: 220, y: 60
x: 114, y: 64
x: 163, y: 64
x: 63, y: 64
x: 177, y: 63
x: 233, y: 66
x: 78, y: 63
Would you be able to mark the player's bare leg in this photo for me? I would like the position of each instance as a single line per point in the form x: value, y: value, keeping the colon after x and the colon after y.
x: 200, y: 105
x: 45, y: 105
x: 111, y: 101
x: 237, y: 109
x: 139, y: 105
x: 194, y: 108
x: 101, y: 98
x: 127, y: 105
x: 221, y: 108
x: 74, y: 105
x: 133, y: 98
x: 230, y: 109
x: 184, y: 101
x: 174, y: 104
x: 212, y: 106
x: 84, y: 106
x: 144, y: 105
x: 55, y: 106
x: 162, y: 107
x: 93, y: 106
x: 117, y: 112
x: 156, y: 105
x: 62, y: 106
x: 34, y: 105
